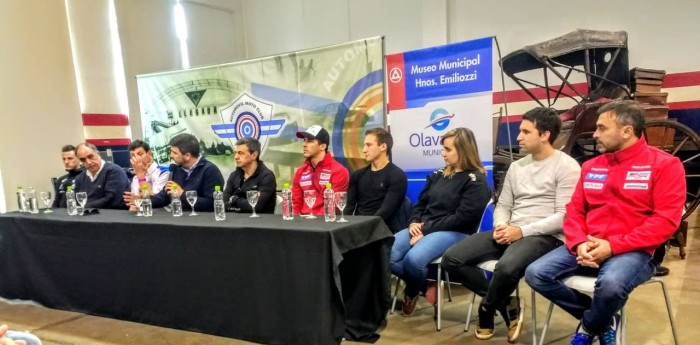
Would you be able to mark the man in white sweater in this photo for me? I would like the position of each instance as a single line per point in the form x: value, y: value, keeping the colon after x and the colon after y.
x: 527, y: 223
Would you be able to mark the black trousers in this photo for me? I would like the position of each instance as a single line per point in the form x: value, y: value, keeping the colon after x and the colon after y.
x: 659, y: 254
x: 461, y: 261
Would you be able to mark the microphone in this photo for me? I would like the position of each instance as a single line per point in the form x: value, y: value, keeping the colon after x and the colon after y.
x: 171, y: 169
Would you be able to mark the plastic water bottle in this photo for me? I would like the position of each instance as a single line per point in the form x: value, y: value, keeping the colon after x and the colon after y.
x: 329, y: 203
x: 32, y: 204
x: 176, y: 203
x: 146, y: 203
x: 71, y: 204
x: 287, y: 209
x: 21, y: 199
x: 219, y: 208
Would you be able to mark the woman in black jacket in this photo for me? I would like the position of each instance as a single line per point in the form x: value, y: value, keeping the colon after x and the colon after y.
x: 448, y: 209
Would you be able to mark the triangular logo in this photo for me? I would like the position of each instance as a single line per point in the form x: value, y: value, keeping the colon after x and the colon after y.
x: 395, y: 75
x: 195, y: 96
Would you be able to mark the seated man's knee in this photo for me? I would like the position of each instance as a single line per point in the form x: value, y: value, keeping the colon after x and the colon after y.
x: 611, y: 287
x: 534, y: 274
x: 450, y: 261
x: 506, y: 270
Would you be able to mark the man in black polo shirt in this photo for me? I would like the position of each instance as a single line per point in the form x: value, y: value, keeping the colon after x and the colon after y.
x: 104, y: 182
x: 380, y: 187
x: 73, y: 169
x: 250, y: 174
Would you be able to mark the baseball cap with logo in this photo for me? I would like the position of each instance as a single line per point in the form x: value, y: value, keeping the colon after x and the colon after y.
x: 315, y: 132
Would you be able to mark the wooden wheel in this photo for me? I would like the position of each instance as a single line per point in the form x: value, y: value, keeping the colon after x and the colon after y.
x: 679, y: 140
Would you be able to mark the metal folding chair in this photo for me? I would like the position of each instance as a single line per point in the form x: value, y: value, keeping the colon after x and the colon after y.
x: 482, y: 226
x: 586, y: 284
x: 490, y: 266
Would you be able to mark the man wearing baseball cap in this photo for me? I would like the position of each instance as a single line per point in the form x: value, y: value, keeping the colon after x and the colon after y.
x: 318, y: 169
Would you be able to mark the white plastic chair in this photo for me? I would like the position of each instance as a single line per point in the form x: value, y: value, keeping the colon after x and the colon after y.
x: 586, y: 284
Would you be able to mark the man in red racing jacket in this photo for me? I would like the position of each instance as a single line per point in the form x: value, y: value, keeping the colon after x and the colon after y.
x: 627, y: 202
x: 318, y: 169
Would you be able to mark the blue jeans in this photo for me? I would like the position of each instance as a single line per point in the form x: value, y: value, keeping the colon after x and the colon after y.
x: 411, y: 263
x: 616, y: 278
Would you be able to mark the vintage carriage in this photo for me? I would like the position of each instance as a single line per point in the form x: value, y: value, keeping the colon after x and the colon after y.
x: 576, y: 74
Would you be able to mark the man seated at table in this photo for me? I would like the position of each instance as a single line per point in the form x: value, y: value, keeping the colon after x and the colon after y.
x: 627, y: 202
x: 73, y: 169
x: 527, y: 223
x: 379, y: 188
x: 251, y: 174
x: 194, y: 173
x: 146, y: 172
x: 318, y: 168
x: 104, y: 182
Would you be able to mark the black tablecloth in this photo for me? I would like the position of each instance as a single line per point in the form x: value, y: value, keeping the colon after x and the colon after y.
x: 259, y: 279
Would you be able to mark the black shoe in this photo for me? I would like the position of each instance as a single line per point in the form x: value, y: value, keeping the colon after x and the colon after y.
x: 485, y: 330
x: 513, y: 316
x: 661, y: 271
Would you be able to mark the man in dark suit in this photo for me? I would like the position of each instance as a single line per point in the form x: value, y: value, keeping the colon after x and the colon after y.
x: 104, y: 182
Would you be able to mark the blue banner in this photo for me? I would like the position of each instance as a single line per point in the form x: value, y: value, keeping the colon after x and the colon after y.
x: 447, y: 71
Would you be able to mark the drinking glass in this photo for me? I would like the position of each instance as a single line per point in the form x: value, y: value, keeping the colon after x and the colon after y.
x: 191, y: 196
x: 310, y: 200
x: 137, y: 199
x: 46, y: 198
x: 252, y: 196
x: 341, y: 200
x: 81, y: 197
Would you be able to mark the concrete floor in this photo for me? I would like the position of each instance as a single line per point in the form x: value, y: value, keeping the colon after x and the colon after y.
x: 647, y: 319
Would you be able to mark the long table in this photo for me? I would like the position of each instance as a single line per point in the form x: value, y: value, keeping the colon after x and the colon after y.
x: 259, y: 279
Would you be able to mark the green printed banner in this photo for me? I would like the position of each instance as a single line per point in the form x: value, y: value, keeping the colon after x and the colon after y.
x: 339, y: 87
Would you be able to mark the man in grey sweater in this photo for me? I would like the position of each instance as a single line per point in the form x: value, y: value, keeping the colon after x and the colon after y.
x: 527, y: 223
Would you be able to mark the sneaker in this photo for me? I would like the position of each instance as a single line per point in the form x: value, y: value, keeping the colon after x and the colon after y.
x: 409, y: 305
x: 513, y: 315
x: 485, y: 330
x: 431, y: 293
x: 609, y: 336
x: 582, y: 337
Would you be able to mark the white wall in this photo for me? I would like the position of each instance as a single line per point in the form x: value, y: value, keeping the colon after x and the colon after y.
x: 214, y: 36
x: 93, y: 54
x: 661, y: 34
x: 38, y: 93
x: 147, y: 33
x: 274, y: 26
